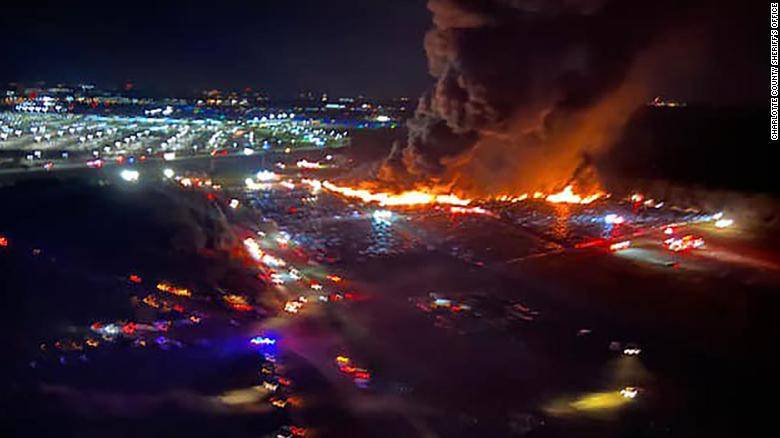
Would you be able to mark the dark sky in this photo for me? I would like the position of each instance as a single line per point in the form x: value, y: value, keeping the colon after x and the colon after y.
x: 344, y: 47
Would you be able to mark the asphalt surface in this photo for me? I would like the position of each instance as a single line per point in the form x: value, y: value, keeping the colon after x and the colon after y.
x: 525, y: 335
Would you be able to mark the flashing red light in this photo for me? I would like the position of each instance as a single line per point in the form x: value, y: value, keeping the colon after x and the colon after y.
x: 3, y: 241
x: 129, y: 328
x: 95, y: 164
x: 134, y: 278
x: 590, y: 243
x: 241, y: 307
x: 297, y: 431
x: 354, y: 296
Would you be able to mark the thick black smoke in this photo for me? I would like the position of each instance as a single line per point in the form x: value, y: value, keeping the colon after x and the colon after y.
x: 526, y: 88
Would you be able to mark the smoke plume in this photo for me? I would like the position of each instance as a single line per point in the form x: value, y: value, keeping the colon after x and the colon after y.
x: 528, y: 89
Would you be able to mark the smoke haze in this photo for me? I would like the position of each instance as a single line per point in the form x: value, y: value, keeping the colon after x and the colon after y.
x: 527, y: 90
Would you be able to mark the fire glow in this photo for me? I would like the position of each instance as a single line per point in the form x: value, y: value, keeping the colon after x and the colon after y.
x: 419, y: 197
x: 407, y: 198
x: 567, y: 196
x: 171, y: 289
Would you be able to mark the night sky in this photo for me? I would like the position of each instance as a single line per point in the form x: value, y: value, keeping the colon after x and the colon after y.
x: 344, y: 47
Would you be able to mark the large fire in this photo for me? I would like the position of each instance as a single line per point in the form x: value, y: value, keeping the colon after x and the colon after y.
x: 567, y: 196
x: 405, y: 198
x: 426, y: 197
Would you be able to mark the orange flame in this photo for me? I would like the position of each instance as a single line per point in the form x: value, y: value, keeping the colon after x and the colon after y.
x: 406, y: 198
x: 180, y: 291
x: 567, y: 196
x: 427, y: 197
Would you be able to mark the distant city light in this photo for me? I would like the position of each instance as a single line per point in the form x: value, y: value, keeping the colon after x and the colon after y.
x: 620, y: 245
x: 305, y: 164
x: 252, y: 185
x: 629, y: 392
x: 266, y: 175
x: 129, y: 175
x: 724, y: 223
